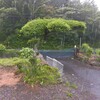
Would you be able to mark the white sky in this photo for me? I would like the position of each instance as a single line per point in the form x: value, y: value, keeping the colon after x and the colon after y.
x: 97, y: 2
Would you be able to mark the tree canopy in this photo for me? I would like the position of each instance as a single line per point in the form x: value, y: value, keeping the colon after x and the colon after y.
x: 55, y: 29
x: 38, y: 26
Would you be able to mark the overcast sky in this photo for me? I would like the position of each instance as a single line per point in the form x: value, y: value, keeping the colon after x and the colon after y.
x: 97, y: 2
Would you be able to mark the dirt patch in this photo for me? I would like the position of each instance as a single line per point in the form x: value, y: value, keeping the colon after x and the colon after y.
x: 8, y: 77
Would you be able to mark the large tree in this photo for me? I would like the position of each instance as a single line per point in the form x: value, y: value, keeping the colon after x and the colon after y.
x: 55, y: 32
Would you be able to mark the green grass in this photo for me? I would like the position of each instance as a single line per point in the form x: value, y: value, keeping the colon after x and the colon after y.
x: 9, y: 62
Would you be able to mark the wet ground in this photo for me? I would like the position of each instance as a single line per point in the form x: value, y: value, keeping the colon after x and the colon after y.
x: 88, y: 77
x: 12, y: 88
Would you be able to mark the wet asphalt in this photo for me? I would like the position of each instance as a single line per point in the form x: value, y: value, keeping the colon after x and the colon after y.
x: 90, y: 77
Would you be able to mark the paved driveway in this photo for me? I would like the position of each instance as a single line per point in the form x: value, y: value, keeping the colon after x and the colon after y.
x: 88, y: 76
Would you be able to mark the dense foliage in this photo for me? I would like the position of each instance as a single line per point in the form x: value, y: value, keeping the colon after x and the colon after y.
x: 41, y: 74
x: 26, y: 53
x: 53, y: 33
x: 87, y: 49
x: 36, y: 27
x: 58, y: 26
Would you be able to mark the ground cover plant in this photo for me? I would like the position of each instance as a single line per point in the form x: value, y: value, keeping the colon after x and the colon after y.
x: 34, y: 72
x: 11, y: 62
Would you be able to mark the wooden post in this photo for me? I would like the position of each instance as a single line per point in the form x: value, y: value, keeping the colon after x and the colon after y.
x: 80, y: 42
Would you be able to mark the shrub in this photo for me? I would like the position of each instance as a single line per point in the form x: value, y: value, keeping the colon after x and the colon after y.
x: 26, y: 53
x: 36, y: 73
x: 41, y: 74
x: 85, y: 46
x: 87, y: 49
x: 98, y: 51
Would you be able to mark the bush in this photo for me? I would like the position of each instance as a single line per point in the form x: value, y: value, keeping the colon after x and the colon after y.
x: 26, y: 53
x: 41, y: 74
x: 98, y: 51
x: 87, y: 49
x: 36, y: 73
x: 85, y: 46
